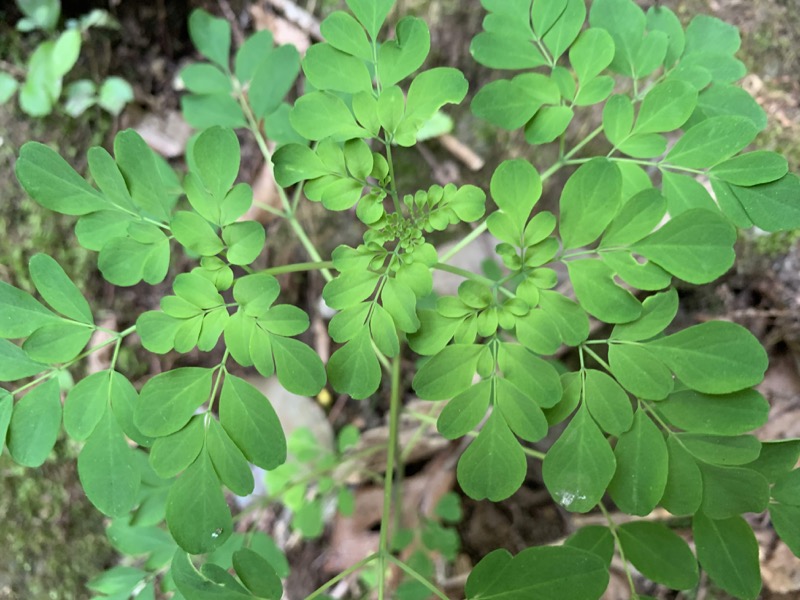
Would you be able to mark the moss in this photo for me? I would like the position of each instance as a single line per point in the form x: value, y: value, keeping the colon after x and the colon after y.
x: 52, y: 537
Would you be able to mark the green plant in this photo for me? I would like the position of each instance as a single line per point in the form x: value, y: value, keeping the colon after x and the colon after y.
x: 658, y: 417
x: 52, y: 60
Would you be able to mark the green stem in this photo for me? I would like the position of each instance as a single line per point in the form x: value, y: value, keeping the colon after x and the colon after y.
x: 475, y: 277
x: 298, y: 267
x: 349, y: 571
x: 392, y: 183
x: 595, y: 356
x: 423, y: 580
x: 644, y: 163
x: 466, y: 241
x: 612, y: 526
x: 391, y: 452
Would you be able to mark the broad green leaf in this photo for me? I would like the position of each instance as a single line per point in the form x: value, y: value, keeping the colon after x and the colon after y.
x: 640, y: 371
x: 715, y: 357
x: 776, y: 458
x: 494, y: 465
x: 285, y: 320
x: 86, y: 404
x: 541, y: 572
x: 659, y: 554
x: 210, y: 110
x: 661, y: 18
x: 127, y: 261
x: 320, y: 115
x: 96, y: 229
x: 618, y: 118
x: 589, y: 201
x: 787, y: 488
x: 109, y: 179
x: 251, y: 53
x: 57, y: 342
x: 432, y: 89
x: 521, y: 412
x: 596, y: 539
x: 599, y: 294
x: 195, y: 233
x: 512, y: 103
x: 547, y: 124
x: 727, y: 100
x: 216, y: 155
x: 666, y: 107
x: 230, y: 464
x: 727, y: 414
x: 169, y: 400
x: 20, y: 313
x: 642, y: 467
x: 273, y: 79
x: 770, y: 206
x: 591, y: 53
x: 752, y: 168
x: 597, y: 90
x: 625, y: 21
x: 570, y: 319
x: 245, y: 241
x: 15, y: 363
x: 371, y: 14
x: 344, y: 33
x: 205, y: 78
x: 211, y: 36
x: 58, y: 290
x: 34, y: 425
x: 296, y: 162
x: 536, y: 377
x: 139, y: 165
x: 515, y: 188
x: 249, y: 419
x: 684, y: 490
x: 257, y: 574
x: 465, y: 411
x: 712, y: 141
x: 400, y: 302
x: 172, y: 454
x: 107, y: 469
x: 560, y: 35
x: 390, y: 108
x: 354, y: 369
x: 191, y: 584
x: 197, y: 515
x: 579, y: 466
x: 658, y: 311
x: 498, y: 51
x: 53, y: 183
x: 117, y: 579
x: 728, y: 552
x: 448, y: 373
x: 327, y: 68
x: 538, y: 332
x: 607, y: 402
x: 721, y: 450
x: 643, y: 275
x: 6, y: 409
x: 399, y: 58
x: 786, y: 521
x: 645, y: 145
x: 298, y: 367
x: 684, y: 192
x: 696, y: 246
x: 731, y: 491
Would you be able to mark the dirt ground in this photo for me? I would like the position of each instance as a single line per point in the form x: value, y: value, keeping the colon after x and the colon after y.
x: 53, y: 539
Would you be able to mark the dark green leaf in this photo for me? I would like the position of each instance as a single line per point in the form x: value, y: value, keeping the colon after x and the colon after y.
x: 230, y: 464
x: 257, y: 574
x: 211, y: 36
x: 58, y: 290
x: 721, y: 450
x: 298, y: 367
x: 731, y: 491
x: 659, y: 553
x: 173, y: 453
x: 728, y: 414
x: 273, y: 79
x: 35, y: 424
x: 57, y: 342
x: 684, y: 490
x: 658, y: 311
x: 712, y: 141
x: 640, y: 371
x: 169, y: 400
x: 607, y: 402
x: 448, y: 373
x: 599, y: 294
x: 20, y: 313
x: 596, y: 539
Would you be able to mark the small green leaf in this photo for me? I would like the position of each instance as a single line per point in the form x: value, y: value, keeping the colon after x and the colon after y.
x: 21, y: 314
x: 684, y: 490
x: 579, y: 466
x: 230, y: 464
x: 658, y: 311
x: 107, y: 469
x: 465, y: 411
x: 728, y: 551
x: 344, y: 33
x: 86, y: 404
x: 570, y: 319
x: 250, y: 54
x: 432, y: 89
x: 547, y: 124
x: 731, y: 491
x: 371, y: 13
x: 448, y: 373
x: 195, y: 233
x: 589, y: 201
x: 727, y: 414
x: 625, y: 21
x: 607, y: 402
x: 57, y: 342
x: 721, y: 450
x: 785, y: 520
x: 399, y: 58
x: 599, y: 295
x: 494, y: 465
x: 211, y: 36
x: 541, y: 572
x: 197, y: 515
x: 515, y: 188
x: 618, y: 118
x: 666, y: 107
x: 591, y: 53
x: 169, y: 399
x: 34, y: 425
x: 712, y: 141
x: 245, y: 241
x: 249, y: 419
x: 715, y: 357
x: 498, y: 51
x: 327, y: 68
x: 211, y: 110
x: 299, y: 368
x: 257, y: 574
x: 320, y: 115
x: 642, y: 467
x: 273, y: 79
x: 752, y: 168
x: 58, y: 290
x: 696, y: 246
x: 173, y: 453
x: 659, y: 553
x: 640, y: 371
